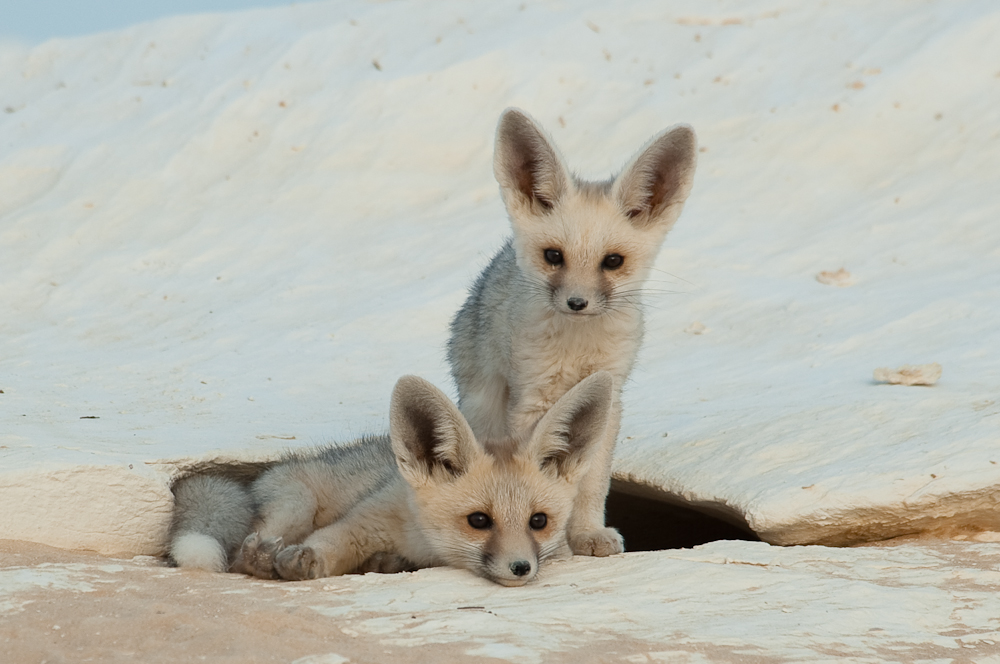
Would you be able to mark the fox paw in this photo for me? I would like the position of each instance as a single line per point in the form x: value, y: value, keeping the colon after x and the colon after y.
x: 298, y: 563
x: 386, y: 563
x: 256, y: 556
x: 600, y: 543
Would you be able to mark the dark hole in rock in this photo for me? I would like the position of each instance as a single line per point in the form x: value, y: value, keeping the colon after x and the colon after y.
x: 651, y: 521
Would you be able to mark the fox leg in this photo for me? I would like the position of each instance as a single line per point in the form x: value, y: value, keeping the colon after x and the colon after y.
x: 587, y: 534
x: 484, y: 404
x: 256, y: 556
x: 386, y: 563
x: 286, y: 516
x: 367, y: 534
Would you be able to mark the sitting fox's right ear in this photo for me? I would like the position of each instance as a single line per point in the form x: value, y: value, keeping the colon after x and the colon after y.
x: 531, y: 174
x: 430, y: 437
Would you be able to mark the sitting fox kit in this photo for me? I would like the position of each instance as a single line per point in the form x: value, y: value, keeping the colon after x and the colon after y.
x: 428, y: 494
x: 561, y: 299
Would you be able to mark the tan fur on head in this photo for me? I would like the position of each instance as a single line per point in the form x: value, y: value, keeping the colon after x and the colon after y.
x: 534, y: 179
x: 589, y: 221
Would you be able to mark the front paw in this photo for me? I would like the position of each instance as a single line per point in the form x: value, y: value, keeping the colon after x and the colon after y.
x: 298, y: 563
x: 256, y: 556
x: 600, y: 543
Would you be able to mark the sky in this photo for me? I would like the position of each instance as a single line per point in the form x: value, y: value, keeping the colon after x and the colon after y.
x: 34, y: 21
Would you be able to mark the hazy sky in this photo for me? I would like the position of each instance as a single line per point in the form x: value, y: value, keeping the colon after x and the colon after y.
x: 37, y: 20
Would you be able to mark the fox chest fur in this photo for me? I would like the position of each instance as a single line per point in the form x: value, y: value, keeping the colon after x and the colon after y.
x: 514, y: 355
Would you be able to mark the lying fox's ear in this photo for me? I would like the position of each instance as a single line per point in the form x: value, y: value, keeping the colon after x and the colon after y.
x: 653, y: 187
x: 572, y: 432
x: 430, y: 437
x: 531, y: 175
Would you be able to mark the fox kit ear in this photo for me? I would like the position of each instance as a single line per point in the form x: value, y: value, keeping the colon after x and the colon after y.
x: 430, y: 437
x: 653, y: 187
x: 531, y: 174
x: 573, y: 429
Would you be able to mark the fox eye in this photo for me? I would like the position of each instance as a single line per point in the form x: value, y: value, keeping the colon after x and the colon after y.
x: 480, y: 521
x: 613, y: 261
x: 538, y: 521
x: 553, y: 257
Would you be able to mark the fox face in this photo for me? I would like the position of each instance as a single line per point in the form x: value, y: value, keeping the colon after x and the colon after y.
x: 499, y: 513
x: 587, y: 247
x: 501, y: 519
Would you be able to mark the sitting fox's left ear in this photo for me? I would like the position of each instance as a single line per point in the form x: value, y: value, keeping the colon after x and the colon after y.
x: 430, y: 437
x: 573, y: 430
x: 527, y: 165
x: 653, y: 187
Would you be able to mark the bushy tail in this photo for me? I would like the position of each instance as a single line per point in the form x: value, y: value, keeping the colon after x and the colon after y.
x: 212, y: 517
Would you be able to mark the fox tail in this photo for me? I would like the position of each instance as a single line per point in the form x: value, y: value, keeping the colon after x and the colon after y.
x: 212, y: 517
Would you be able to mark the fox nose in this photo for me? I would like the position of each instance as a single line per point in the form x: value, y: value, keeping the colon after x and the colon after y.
x: 520, y: 567
x: 576, y: 303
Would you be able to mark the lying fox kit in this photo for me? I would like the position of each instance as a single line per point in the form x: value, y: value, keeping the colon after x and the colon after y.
x: 428, y: 494
x: 561, y: 300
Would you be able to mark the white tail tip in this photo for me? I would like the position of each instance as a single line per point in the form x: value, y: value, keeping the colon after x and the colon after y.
x: 199, y: 551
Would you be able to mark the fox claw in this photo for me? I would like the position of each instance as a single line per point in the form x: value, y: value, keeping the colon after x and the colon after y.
x: 256, y: 556
x: 297, y: 563
x: 385, y: 563
x: 600, y: 543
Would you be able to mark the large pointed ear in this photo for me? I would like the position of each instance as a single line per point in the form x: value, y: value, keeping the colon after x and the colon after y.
x: 574, y: 428
x: 531, y: 175
x: 653, y: 187
x: 430, y: 437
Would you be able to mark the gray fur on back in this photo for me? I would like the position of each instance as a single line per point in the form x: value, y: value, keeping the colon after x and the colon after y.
x: 343, y: 474
x: 474, y: 328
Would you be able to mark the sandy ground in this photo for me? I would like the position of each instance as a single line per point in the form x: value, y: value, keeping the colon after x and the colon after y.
x: 63, y: 606
x: 139, y: 610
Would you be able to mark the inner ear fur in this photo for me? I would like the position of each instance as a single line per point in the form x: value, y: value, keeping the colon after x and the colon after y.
x: 532, y: 177
x: 430, y: 437
x: 573, y: 430
x: 654, y: 185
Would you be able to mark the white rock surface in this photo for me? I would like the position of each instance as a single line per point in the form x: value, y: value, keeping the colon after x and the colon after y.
x: 227, y: 235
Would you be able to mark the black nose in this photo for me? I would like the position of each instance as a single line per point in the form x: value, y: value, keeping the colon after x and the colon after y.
x: 576, y: 303
x: 520, y: 567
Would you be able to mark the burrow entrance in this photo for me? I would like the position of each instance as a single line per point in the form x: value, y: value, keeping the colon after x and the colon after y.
x: 651, y: 521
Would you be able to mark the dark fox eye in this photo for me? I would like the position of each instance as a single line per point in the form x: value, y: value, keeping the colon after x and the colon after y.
x: 553, y: 257
x: 538, y: 521
x: 479, y: 521
x: 613, y: 261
